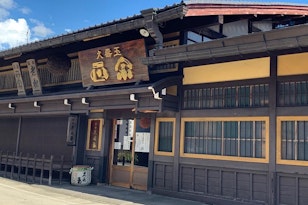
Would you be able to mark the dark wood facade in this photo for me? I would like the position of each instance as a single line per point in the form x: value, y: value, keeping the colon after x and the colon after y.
x: 220, y: 100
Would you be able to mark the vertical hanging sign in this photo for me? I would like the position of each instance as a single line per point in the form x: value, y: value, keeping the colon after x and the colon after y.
x: 18, y: 79
x: 34, y: 77
x: 71, y: 130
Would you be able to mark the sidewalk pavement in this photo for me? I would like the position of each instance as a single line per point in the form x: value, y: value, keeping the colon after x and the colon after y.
x: 93, y: 194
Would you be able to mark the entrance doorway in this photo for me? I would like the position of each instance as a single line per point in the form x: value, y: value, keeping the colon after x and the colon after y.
x: 130, y: 153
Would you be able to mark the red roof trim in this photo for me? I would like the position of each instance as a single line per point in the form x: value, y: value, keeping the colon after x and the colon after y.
x: 227, y: 9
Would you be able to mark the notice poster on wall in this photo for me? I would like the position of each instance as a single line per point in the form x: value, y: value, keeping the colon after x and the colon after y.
x: 117, y: 145
x: 142, y: 142
x: 126, y: 142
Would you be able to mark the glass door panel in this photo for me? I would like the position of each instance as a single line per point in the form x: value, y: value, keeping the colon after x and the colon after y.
x: 131, y: 145
x: 123, y: 142
x: 142, y: 142
x: 141, y: 154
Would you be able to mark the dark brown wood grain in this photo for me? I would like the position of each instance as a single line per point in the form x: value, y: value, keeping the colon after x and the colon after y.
x: 109, y: 55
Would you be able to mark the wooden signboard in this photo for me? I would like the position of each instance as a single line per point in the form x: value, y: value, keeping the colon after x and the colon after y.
x: 18, y: 79
x: 94, y: 135
x: 71, y: 132
x: 113, y: 64
x: 34, y: 77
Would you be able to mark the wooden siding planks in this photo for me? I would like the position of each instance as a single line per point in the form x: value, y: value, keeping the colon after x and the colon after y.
x: 292, y: 189
x: 260, y: 190
x: 228, y: 184
x: 287, y: 190
x: 199, y: 180
x: 163, y: 176
x: 221, y: 182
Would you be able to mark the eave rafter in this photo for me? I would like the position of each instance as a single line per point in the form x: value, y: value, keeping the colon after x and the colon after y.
x: 153, y: 19
x: 295, y: 37
x: 208, y: 33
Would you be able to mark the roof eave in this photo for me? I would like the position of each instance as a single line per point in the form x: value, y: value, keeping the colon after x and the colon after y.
x: 170, y: 13
x: 245, y: 9
x: 295, y: 37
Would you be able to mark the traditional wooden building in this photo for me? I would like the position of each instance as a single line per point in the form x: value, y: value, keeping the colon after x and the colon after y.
x: 200, y: 100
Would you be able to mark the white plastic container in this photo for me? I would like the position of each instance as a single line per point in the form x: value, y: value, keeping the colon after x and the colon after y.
x: 81, y: 175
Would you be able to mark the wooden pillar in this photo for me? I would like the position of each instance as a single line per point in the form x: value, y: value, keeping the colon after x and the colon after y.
x: 176, y: 160
x: 18, y: 135
x: 151, y: 154
x: 272, y: 132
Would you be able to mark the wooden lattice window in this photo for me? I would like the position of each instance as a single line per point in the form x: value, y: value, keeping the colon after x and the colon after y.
x: 164, y: 137
x: 293, y: 93
x: 226, y: 97
x: 236, y: 138
x: 292, y: 139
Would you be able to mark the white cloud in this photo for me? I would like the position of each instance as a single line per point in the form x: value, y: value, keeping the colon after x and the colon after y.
x: 13, y: 33
x: 68, y: 30
x: 16, y: 32
x: 25, y: 10
x: 40, y: 30
x: 7, y: 4
x: 3, y: 13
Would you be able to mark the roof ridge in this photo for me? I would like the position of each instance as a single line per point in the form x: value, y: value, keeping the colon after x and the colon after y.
x: 238, y: 2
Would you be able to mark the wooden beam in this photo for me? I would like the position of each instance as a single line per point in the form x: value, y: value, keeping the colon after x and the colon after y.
x: 295, y: 37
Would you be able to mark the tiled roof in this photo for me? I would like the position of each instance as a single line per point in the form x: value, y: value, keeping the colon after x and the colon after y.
x: 116, y: 26
x: 228, y: 7
x: 239, y: 2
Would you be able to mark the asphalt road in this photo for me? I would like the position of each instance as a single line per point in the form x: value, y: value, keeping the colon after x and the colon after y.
x: 18, y: 193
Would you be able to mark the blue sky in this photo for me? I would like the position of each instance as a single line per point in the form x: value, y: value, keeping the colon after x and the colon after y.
x: 25, y: 21
x: 63, y: 15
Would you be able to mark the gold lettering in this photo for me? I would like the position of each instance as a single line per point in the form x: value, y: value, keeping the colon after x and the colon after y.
x: 124, y: 69
x: 99, y: 72
x: 99, y: 55
x: 108, y: 53
x: 117, y: 51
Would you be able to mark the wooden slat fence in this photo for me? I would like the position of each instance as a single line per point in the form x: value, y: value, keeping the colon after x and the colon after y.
x: 33, y: 168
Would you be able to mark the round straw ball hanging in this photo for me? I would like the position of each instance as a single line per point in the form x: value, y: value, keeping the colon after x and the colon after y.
x: 58, y: 64
x: 145, y: 122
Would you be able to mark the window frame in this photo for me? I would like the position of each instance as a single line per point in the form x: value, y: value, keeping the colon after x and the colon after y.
x: 279, y: 141
x: 221, y: 157
x: 221, y: 97
x: 156, y: 151
x: 292, y: 93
